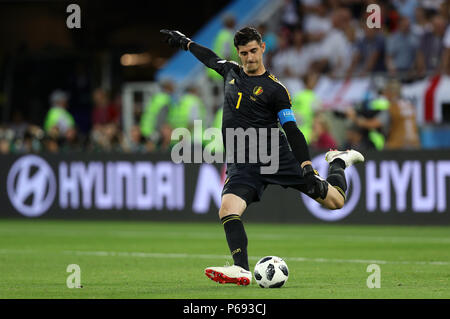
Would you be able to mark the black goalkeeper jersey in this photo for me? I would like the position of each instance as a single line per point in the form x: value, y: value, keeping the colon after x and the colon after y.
x: 251, y: 102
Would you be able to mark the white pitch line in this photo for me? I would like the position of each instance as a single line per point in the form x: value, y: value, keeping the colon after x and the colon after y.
x: 226, y: 257
x: 200, y: 256
x: 251, y: 234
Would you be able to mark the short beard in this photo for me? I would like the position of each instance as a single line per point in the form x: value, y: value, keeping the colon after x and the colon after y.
x: 252, y: 70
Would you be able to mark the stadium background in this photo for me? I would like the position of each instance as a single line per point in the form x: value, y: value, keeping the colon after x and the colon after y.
x: 109, y: 71
x: 101, y: 161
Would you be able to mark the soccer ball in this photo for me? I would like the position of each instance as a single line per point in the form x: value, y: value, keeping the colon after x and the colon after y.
x: 271, y: 272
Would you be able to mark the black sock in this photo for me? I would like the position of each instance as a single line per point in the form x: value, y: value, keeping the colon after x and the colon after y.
x: 237, y: 240
x: 338, y: 163
x: 336, y: 176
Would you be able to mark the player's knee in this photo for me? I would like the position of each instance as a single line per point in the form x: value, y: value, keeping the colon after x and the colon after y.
x: 339, y: 203
x: 336, y: 203
x: 225, y: 210
x: 231, y: 204
x: 333, y: 201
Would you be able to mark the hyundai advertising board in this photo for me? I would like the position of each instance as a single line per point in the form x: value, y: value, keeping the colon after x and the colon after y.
x: 407, y: 187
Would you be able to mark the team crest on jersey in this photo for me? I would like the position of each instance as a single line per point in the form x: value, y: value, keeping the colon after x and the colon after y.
x: 257, y: 90
x: 232, y: 81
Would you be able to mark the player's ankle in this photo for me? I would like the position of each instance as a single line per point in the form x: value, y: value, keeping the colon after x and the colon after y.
x: 243, y: 265
x: 339, y: 162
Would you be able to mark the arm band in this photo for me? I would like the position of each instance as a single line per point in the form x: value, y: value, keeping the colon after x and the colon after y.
x: 286, y: 115
x: 297, y: 142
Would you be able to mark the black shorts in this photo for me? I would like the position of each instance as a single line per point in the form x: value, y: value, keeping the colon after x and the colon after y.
x: 246, y: 181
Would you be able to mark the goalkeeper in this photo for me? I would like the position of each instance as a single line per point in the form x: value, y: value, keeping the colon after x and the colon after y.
x: 254, y: 98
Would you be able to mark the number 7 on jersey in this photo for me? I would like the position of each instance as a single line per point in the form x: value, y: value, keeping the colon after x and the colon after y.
x: 239, y: 100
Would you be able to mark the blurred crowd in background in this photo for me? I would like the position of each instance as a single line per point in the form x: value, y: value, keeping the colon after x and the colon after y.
x: 309, y: 39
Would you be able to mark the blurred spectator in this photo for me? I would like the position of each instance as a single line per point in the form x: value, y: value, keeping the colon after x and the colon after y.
x: 113, y: 140
x: 72, y: 142
x: 104, y: 111
x: 446, y: 54
x: 445, y: 10
x: 6, y: 133
x: 278, y: 63
x: 422, y: 23
x: 5, y: 147
x: 223, y: 45
x: 354, y: 139
x: 269, y: 37
x: 309, y: 5
x: 6, y: 136
x: 18, y: 125
x: 216, y: 145
x: 106, y: 138
x: 155, y: 117
x: 304, y: 104
x: 431, y: 6
x: 398, y: 122
x: 135, y: 142
x: 390, y: 18
x: 334, y: 4
x: 401, y: 49
x: 406, y: 8
x: 370, y: 53
x: 317, y: 23
x: 366, y: 119
x: 165, y: 141
x: 403, y: 131
x: 51, y: 144
x: 337, y: 48
x: 357, y: 7
x: 293, y: 61
x: 321, y: 137
x: 189, y: 109
x: 298, y: 57
x: 31, y: 141
x: 431, y: 48
x: 350, y: 33
x: 271, y: 41
x: 289, y: 14
x: 58, y: 116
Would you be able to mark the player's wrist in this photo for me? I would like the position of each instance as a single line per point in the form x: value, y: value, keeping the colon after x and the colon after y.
x: 184, y: 42
x: 303, y: 164
x: 308, y: 170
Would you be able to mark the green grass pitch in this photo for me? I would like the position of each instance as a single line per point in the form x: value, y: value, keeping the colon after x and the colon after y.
x: 166, y: 260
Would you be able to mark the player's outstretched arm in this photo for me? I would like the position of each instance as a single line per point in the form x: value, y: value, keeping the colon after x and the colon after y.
x: 203, y: 54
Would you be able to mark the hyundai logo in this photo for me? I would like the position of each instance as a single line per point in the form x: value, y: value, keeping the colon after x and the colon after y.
x: 31, y: 185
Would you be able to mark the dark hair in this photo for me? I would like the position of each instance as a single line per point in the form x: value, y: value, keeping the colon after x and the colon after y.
x: 246, y: 35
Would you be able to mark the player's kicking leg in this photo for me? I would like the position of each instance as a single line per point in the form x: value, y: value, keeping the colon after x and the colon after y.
x: 339, y: 161
x: 230, y: 213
